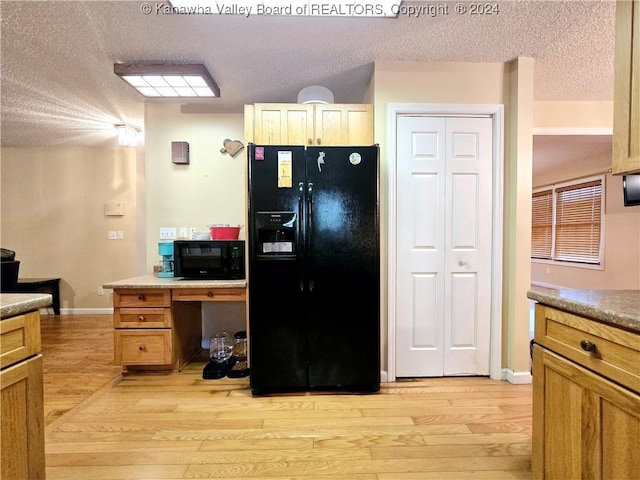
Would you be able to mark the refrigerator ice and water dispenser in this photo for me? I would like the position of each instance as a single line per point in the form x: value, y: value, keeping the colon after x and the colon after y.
x: 276, y: 233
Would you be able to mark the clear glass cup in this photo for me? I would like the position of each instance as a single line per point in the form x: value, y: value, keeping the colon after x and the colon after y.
x: 220, y: 347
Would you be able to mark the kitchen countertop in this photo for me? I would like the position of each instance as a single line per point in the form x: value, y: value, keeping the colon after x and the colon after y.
x: 12, y: 304
x: 151, y: 281
x: 620, y: 308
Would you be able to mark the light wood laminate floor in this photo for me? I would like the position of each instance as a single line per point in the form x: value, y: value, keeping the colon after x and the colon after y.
x: 174, y: 426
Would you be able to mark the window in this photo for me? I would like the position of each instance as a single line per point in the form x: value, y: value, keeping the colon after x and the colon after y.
x: 567, y: 222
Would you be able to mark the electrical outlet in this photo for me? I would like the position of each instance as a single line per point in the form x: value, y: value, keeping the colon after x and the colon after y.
x: 192, y: 232
x: 120, y: 235
x: 100, y: 291
x: 112, y: 235
x: 167, y: 233
x: 183, y: 233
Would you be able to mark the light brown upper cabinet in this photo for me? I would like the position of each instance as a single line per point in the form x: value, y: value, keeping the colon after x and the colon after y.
x: 626, y: 98
x: 313, y: 124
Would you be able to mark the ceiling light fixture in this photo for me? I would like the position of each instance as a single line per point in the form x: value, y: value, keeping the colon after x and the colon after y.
x: 127, y: 135
x: 315, y: 94
x: 162, y: 80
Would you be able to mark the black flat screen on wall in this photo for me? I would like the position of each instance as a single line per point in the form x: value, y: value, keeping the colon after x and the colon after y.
x: 631, y: 188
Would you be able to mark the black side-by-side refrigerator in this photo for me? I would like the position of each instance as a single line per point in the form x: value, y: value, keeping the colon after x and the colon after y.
x: 314, y: 268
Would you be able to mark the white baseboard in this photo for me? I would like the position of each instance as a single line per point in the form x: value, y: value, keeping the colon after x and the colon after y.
x: 517, y: 378
x: 78, y: 311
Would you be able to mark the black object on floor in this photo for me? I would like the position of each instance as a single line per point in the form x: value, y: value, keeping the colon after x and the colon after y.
x: 214, y: 370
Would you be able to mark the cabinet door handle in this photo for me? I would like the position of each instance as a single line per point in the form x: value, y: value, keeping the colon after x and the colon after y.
x: 318, y: 140
x: 588, y: 346
x: 310, y: 141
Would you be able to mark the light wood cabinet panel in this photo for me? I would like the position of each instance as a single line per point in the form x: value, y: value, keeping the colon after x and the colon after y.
x: 586, y: 398
x: 22, y: 427
x: 584, y: 425
x: 626, y: 98
x: 150, y: 297
x: 19, y: 338
x: 142, y: 317
x: 345, y: 124
x: 209, y: 295
x: 283, y: 124
x: 143, y: 346
x: 608, y: 351
x: 144, y: 330
x: 300, y: 124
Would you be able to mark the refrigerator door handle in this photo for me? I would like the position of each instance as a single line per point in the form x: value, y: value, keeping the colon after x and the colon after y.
x: 309, y: 230
x: 300, y: 242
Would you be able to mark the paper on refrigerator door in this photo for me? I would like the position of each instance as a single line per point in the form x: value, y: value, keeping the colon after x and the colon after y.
x: 284, y: 170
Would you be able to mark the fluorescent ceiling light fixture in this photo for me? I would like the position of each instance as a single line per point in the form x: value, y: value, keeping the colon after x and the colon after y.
x: 168, y: 80
x: 299, y: 8
x: 127, y: 135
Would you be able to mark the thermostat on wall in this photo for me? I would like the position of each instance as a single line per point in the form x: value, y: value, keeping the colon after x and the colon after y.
x: 114, y: 209
x: 180, y: 153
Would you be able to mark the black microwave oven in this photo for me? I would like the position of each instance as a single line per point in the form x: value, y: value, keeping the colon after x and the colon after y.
x: 209, y: 259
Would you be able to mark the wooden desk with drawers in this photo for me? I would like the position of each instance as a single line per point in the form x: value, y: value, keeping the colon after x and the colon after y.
x: 157, y: 321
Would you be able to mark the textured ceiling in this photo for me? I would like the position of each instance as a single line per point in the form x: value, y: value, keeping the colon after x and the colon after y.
x: 58, y: 85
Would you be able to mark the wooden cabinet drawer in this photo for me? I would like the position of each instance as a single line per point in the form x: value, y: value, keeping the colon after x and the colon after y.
x: 142, y: 317
x: 19, y: 338
x: 210, y: 294
x: 143, y: 346
x: 609, y: 351
x: 123, y: 298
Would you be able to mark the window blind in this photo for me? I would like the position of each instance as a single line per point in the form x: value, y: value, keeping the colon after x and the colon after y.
x: 542, y: 224
x: 578, y: 222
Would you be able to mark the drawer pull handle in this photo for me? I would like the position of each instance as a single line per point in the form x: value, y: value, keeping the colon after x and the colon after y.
x: 209, y: 294
x: 142, y: 348
x: 141, y: 298
x: 142, y: 319
x: 588, y: 346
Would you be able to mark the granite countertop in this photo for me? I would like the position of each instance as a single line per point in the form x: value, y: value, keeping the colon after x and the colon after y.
x: 151, y: 281
x: 620, y: 308
x: 12, y: 304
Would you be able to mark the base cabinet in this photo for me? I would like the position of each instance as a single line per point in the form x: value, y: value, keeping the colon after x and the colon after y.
x: 586, y: 401
x: 21, y: 399
x: 161, y: 328
x: 585, y: 426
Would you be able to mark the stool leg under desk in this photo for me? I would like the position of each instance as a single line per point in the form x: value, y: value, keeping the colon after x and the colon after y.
x: 43, y: 285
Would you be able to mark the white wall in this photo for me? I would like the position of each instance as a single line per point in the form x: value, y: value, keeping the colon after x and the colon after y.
x: 466, y: 83
x: 53, y: 217
x: 211, y: 189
